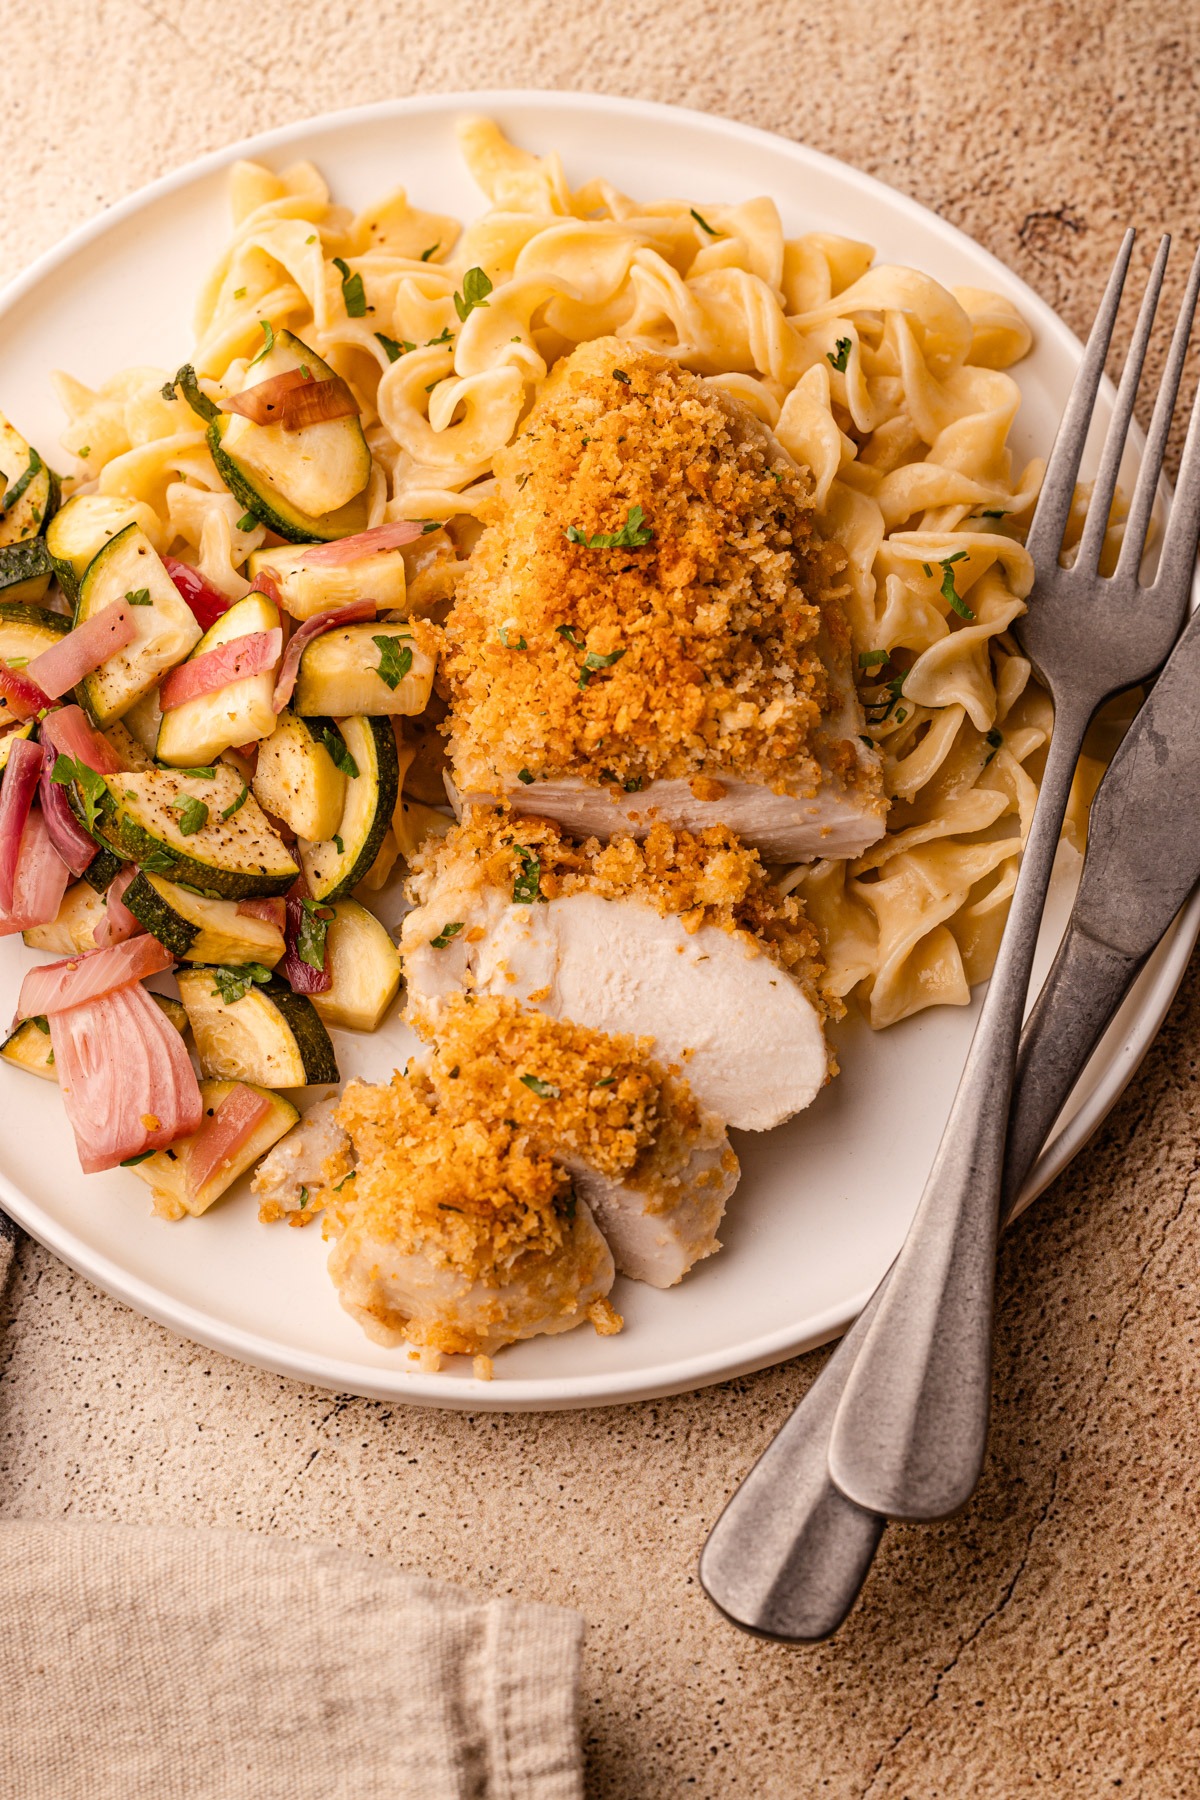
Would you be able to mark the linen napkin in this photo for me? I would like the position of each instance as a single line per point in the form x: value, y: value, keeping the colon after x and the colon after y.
x: 156, y: 1663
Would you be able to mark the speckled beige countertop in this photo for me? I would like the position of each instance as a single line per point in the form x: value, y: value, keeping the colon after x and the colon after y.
x: 1048, y: 1642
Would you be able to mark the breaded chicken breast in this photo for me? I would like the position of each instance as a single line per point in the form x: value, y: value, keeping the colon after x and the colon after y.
x: 649, y: 631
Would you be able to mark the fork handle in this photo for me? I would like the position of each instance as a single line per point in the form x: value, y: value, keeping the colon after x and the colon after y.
x: 910, y: 1431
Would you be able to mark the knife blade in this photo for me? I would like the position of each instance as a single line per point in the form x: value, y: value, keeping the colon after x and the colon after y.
x: 788, y: 1556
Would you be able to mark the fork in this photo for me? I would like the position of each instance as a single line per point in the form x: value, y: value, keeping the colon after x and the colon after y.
x: 909, y: 1433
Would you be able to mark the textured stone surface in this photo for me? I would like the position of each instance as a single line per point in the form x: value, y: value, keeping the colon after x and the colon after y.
x: 1047, y: 1641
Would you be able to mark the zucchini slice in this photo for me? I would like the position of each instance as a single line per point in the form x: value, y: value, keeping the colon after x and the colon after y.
x: 29, y: 1046
x: 166, y: 1171
x: 308, y: 588
x: 306, y: 484
x: 25, y: 631
x: 198, y: 929
x: 267, y: 1035
x: 25, y: 571
x: 30, y: 492
x: 340, y: 673
x: 143, y: 720
x: 11, y: 737
x: 333, y: 865
x: 83, y: 525
x: 364, y: 966
x: 232, y: 853
x: 102, y: 870
x: 166, y: 626
x: 192, y: 734
x: 74, y: 927
x: 297, y: 779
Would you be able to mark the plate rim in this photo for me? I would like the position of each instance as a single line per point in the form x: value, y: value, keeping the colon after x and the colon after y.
x: 454, y: 1392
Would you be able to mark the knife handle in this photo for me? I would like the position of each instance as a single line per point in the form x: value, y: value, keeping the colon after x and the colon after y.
x: 1087, y: 982
x: 789, y: 1554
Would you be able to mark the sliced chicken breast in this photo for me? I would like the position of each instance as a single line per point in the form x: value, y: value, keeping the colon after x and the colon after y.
x: 660, y: 1223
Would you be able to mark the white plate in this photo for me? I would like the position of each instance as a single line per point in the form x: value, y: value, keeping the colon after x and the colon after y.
x: 824, y: 1202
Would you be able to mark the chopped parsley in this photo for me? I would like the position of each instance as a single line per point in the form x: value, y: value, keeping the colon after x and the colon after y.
x: 994, y: 742
x: 395, y: 347
x: 192, y: 815
x: 445, y: 934
x: 16, y: 662
x: 882, y: 708
x: 233, y: 983
x: 206, y: 774
x: 159, y: 862
x: 704, y: 224
x: 236, y: 805
x: 606, y: 1082
x: 310, y: 939
x: 594, y: 660
x: 353, y: 297
x: 949, y: 592
x: 870, y: 659
x: 633, y: 535
x: 138, y: 597
x: 239, y: 293
x: 524, y: 776
x: 571, y: 634
x: 186, y: 380
x: 91, y: 787
x: 633, y: 785
x: 248, y: 522
x: 444, y: 336
x: 303, y: 1198
x: 338, y: 751
x: 268, y: 331
x: 311, y: 239
x: 620, y: 375
x: 432, y: 250
x: 528, y: 885
x: 508, y: 643
x: 475, y: 290
x: 85, y: 450
x: 338, y: 844
x: 131, y: 1162
x: 394, y: 661
x: 42, y: 1023
x: 995, y: 512
x: 545, y: 1090
x: 840, y: 356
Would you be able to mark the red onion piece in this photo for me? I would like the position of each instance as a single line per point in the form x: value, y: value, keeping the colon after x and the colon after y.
x: 77, y: 980
x: 118, y: 924
x: 316, y: 402
x: 69, y: 730
x: 267, y: 582
x: 253, y: 654
x: 40, y: 882
x: 207, y: 602
x: 364, y: 543
x: 85, y: 648
x: 274, y: 911
x: 20, y: 698
x: 324, y: 621
x: 17, y: 789
x: 127, y: 1080
x: 300, y: 976
x: 220, y: 1138
x: 67, y: 835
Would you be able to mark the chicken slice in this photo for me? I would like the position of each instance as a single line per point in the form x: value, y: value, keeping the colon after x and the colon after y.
x: 293, y: 1172
x: 488, y: 1177
x: 630, y: 938
x: 652, y: 630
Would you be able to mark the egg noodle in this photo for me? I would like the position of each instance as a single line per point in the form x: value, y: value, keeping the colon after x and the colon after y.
x: 888, y: 387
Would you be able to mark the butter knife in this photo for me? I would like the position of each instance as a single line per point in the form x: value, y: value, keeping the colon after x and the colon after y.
x: 789, y: 1553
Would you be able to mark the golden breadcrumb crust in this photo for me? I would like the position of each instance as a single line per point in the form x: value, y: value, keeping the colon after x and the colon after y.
x: 705, y: 634
x: 459, y: 1156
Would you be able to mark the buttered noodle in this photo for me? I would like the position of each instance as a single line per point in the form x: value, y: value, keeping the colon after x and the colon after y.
x: 890, y: 389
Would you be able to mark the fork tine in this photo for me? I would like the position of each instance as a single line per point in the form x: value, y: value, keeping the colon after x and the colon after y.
x: 1096, y: 524
x: 1183, y: 525
x: 1134, y: 542
x: 1058, y: 485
